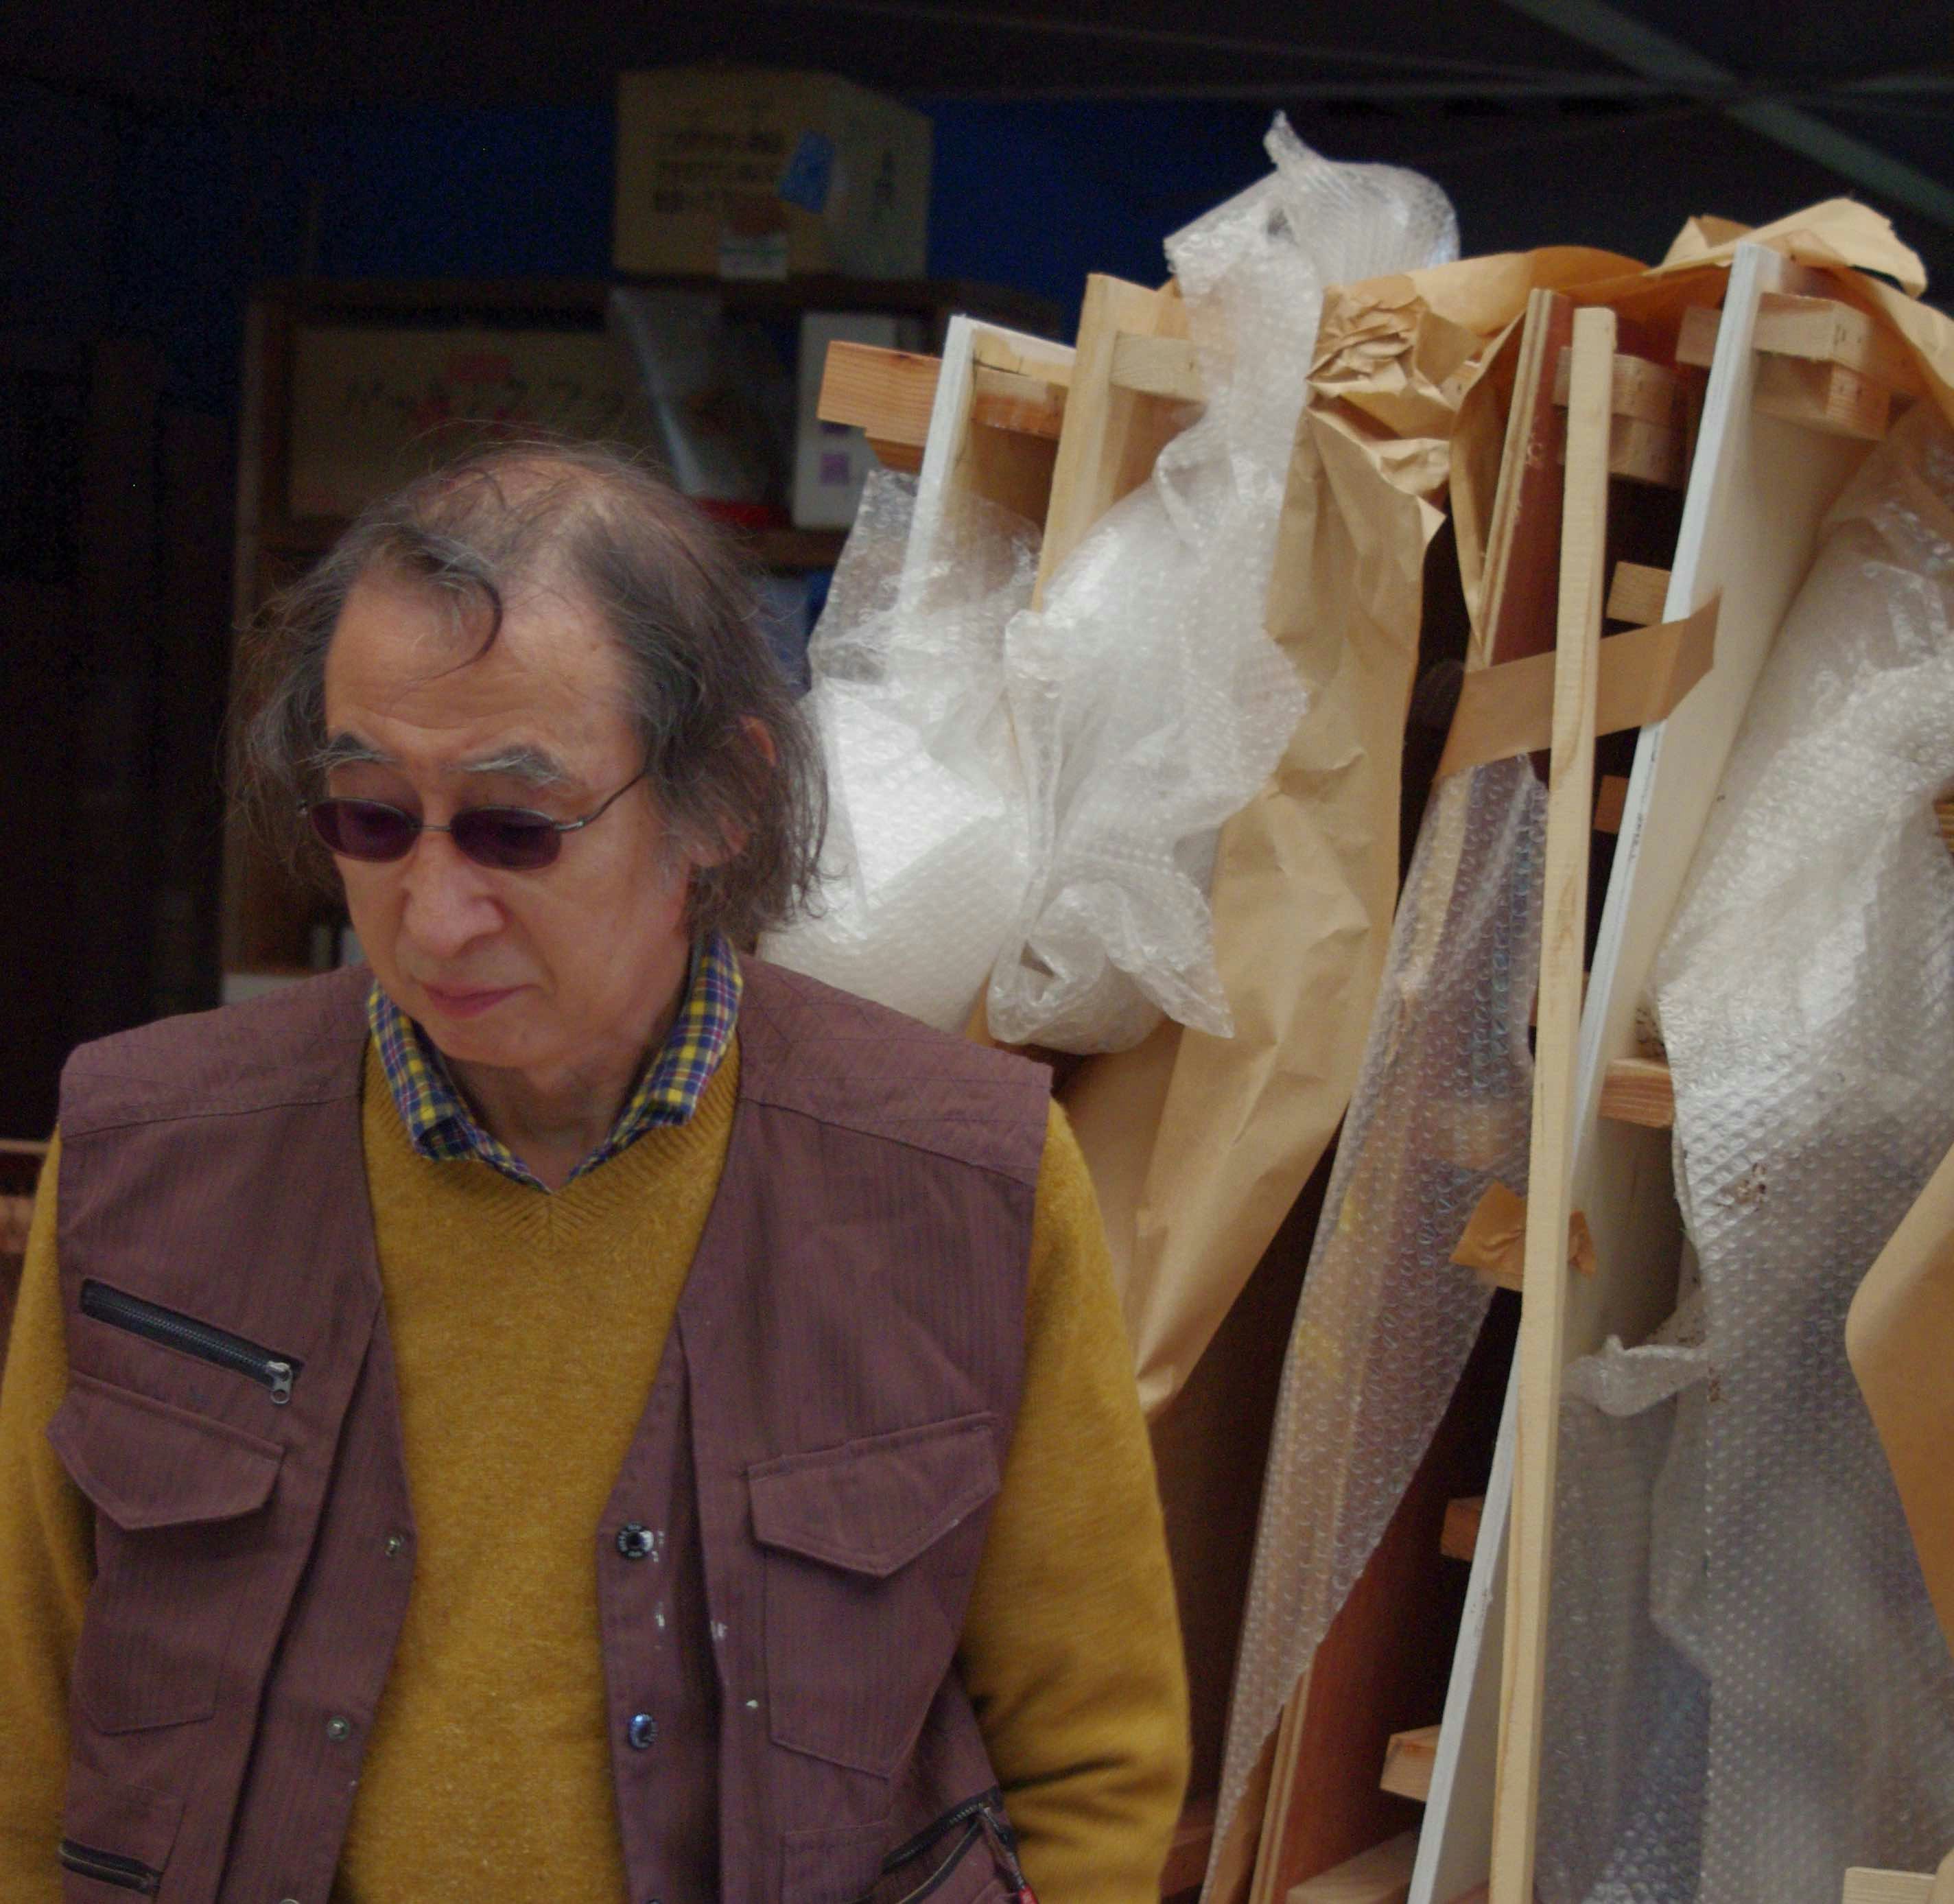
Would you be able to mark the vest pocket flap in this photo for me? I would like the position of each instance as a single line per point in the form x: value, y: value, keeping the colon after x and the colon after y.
x: 146, y: 1464
x: 872, y: 1505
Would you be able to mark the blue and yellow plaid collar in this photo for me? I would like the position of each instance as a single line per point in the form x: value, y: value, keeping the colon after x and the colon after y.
x: 441, y: 1126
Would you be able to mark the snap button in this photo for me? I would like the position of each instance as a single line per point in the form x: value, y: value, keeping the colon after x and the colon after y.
x: 643, y: 1731
x: 339, y: 1729
x: 634, y: 1541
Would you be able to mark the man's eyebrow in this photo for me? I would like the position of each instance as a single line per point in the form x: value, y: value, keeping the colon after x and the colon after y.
x: 345, y: 749
x: 535, y: 765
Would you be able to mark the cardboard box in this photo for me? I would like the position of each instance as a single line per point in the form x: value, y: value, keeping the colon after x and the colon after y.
x: 831, y: 460
x: 374, y: 406
x: 744, y: 172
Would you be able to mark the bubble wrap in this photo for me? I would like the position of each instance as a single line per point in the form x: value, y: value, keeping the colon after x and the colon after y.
x: 1149, y: 702
x: 928, y: 852
x: 1442, y: 1109
x: 1804, y: 995
x: 1628, y: 1709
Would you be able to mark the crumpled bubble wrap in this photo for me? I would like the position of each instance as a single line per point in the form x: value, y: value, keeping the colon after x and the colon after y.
x: 1805, y: 994
x: 927, y: 850
x: 1149, y: 703
x: 1442, y: 1110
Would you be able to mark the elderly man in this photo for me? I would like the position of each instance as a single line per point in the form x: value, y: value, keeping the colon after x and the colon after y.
x: 572, y: 1413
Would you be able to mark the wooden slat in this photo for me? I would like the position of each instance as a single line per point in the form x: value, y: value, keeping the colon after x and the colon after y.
x: 1638, y: 388
x: 1637, y: 594
x: 1111, y: 436
x: 1826, y: 330
x: 1864, y: 1886
x: 887, y: 393
x: 1381, y: 1875
x: 1645, y: 452
x: 1549, y: 1203
x: 1611, y: 801
x: 1157, y: 366
x: 1825, y: 397
x: 1461, y: 1537
x: 1638, y: 1091
x: 1696, y: 342
x: 1408, y: 1764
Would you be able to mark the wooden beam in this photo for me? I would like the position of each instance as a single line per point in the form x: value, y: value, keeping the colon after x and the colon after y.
x: 1407, y: 1763
x: 1826, y: 330
x: 1638, y: 1091
x: 1381, y: 1875
x: 1637, y: 594
x: 1550, y: 1175
x: 1461, y: 1537
x: 1825, y: 397
x: 1157, y: 366
x: 887, y: 393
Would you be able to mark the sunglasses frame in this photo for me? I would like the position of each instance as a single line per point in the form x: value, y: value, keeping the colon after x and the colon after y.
x: 543, y: 824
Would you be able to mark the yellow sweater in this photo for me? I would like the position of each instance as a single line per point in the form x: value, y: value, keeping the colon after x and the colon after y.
x: 527, y: 1328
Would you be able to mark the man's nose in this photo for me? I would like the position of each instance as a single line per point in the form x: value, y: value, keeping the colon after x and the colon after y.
x: 448, y: 902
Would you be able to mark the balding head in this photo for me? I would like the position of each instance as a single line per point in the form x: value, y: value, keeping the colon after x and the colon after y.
x: 729, y: 761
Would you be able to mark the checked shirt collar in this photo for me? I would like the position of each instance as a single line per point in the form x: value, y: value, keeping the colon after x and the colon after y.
x: 441, y: 1126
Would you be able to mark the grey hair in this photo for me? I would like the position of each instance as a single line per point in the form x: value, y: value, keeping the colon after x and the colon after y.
x: 729, y: 758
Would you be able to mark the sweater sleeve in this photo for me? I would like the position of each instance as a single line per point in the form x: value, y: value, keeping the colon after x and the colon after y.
x: 46, y: 1534
x: 1071, y: 1647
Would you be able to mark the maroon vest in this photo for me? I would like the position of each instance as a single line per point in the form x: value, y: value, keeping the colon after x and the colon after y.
x: 784, y: 1563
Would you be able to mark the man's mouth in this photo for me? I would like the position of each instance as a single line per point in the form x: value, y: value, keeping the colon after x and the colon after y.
x: 469, y: 1001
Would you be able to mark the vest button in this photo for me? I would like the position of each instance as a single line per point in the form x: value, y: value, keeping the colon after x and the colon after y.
x: 396, y: 1545
x: 634, y: 1541
x: 642, y: 1732
x: 339, y: 1729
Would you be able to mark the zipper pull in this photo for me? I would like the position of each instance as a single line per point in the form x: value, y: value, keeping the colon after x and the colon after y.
x: 280, y: 1376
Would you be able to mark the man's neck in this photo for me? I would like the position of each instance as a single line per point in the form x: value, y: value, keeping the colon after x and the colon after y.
x: 552, y: 1119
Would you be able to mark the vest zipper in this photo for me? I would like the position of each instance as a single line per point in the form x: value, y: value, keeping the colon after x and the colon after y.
x: 106, y: 1867
x: 983, y: 1816
x: 272, y: 1372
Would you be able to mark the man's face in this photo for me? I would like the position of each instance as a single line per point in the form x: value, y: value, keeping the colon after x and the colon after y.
x: 548, y: 971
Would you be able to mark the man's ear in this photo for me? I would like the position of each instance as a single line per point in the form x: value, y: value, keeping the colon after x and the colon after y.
x: 756, y: 736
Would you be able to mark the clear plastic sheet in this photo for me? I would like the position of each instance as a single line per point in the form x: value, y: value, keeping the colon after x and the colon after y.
x: 927, y: 850
x: 1148, y: 701
x: 1804, y: 995
x: 1442, y: 1110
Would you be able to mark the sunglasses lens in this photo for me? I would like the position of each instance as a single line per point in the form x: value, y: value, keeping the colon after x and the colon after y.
x: 507, y: 837
x: 363, y: 829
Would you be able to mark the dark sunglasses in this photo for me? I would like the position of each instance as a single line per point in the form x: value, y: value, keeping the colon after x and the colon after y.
x: 510, y: 839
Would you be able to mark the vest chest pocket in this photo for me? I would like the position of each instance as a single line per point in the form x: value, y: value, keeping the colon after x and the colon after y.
x: 869, y: 1552
x: 178, y: 1537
